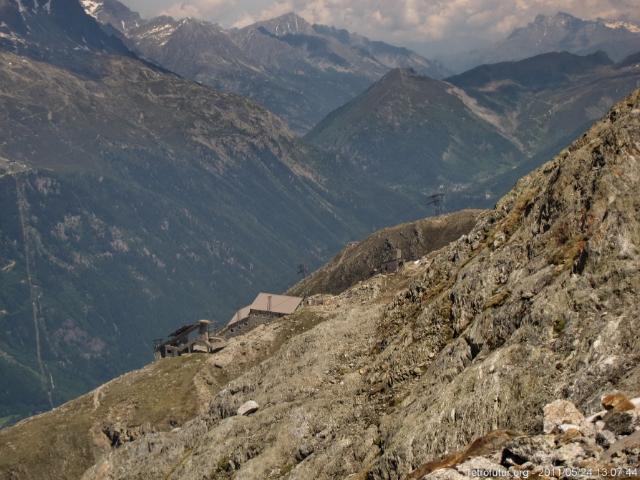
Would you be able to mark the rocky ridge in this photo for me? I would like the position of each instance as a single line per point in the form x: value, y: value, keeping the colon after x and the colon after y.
x: 360, y: 261
x: 536, y: 303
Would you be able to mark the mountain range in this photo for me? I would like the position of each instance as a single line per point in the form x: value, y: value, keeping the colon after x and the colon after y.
x: 473, y: 358
x: 135, y: 199
x: 556, y: 33
x: 297, y: 70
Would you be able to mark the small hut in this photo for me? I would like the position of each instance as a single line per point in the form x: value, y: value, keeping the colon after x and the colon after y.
x: 193, y: 338
x: 265, y: 308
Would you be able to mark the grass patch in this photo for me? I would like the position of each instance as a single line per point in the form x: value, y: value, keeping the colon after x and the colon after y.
x: 559, y: 326
x: 9, y: 420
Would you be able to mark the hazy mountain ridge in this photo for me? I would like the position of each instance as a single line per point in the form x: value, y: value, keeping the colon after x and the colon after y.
x: 557, y: 33
x: 416, y: 134
x: 384, y: 131
x: 547, y: 100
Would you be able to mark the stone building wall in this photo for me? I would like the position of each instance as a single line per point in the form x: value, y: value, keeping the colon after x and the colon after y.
x: 251, y: 322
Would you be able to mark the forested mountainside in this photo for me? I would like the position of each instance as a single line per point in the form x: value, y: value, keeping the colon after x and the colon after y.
x: 133, y: 202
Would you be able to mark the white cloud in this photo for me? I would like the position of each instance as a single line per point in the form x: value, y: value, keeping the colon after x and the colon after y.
x: 197, y: 8
x: 180, y: 10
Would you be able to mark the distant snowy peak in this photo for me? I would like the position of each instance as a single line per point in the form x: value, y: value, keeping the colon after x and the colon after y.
x: 568, y: 21
x: 158, y: 31
x: 92, y: 7
x: 289, y: 24
x: 112, y: 12
x: 622, y: 25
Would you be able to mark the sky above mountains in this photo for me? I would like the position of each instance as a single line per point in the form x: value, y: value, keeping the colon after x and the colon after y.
x: 430, y: 24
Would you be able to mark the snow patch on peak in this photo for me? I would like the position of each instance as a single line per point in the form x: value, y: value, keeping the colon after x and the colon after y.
x: 160, y: 33
x: 92, y: 7
x: 620, y: 25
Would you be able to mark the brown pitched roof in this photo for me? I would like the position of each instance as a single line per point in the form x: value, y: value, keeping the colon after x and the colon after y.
x: 267, y: 302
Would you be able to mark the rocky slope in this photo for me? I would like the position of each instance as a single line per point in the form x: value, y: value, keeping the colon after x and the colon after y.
x: 297, y: 70
x: 558, y: 33
x: 359, y: 261
x: 607, y: 444
x: 537, y: 303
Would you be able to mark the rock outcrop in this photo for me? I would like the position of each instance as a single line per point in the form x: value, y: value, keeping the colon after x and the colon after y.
x: 586, y: 452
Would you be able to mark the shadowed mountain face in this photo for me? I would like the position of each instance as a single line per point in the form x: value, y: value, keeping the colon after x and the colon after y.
x: 414, y: 133
x: 132, y: 202
x: 56, y: 31
x: 474, y: 134
x: 545, y: 101
x: 297, y: 70
x: 557, y: 33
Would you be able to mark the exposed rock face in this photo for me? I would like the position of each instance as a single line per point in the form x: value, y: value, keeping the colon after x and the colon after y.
x: 248, y: 408
x: 537, y: 303
x: 560, y: 454
x: 559, y: 413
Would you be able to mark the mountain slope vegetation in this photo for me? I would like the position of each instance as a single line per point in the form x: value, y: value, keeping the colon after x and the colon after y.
x: 473, y: 135
x: 414, y: 133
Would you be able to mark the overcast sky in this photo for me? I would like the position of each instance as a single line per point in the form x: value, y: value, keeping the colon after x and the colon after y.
x: 414, y: 23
